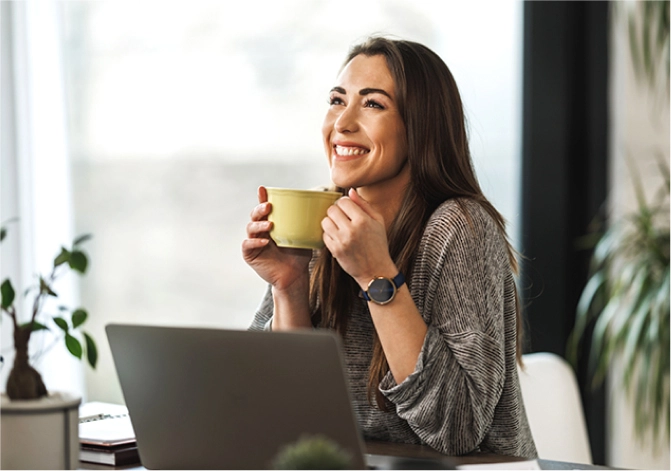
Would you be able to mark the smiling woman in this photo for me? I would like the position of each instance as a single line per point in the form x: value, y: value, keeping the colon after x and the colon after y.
x: 175, y: 112
x: 417, y: 274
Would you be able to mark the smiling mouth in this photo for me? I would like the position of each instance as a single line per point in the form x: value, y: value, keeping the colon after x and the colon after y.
x: 346, y: 151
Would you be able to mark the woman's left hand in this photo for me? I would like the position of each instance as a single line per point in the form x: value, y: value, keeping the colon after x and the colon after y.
x: 356, y: 236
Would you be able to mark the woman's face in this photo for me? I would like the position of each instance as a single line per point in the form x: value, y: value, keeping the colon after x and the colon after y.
x: 364, y: 134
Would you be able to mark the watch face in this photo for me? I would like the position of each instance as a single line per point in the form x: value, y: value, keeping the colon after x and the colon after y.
x: 381, y: 290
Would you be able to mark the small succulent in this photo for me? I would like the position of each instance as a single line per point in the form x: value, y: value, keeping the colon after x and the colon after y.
x: 313, y: 452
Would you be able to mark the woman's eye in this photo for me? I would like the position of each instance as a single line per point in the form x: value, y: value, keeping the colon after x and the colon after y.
x: 373, y: 104
x: 334, y: 100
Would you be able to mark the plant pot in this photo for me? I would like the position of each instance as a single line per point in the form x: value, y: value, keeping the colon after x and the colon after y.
x: 40, y: 433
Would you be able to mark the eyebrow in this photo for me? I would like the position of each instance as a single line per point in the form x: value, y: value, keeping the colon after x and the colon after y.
x: 363, y: 91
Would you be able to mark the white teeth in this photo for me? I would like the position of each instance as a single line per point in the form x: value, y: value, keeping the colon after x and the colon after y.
x: 340, y: 150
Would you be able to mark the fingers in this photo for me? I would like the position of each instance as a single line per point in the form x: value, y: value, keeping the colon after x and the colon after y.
x: 330, y: 242
x: 329, y: 227
x: 261, y: 211
x: 249, y: 245
x: 345, y: 213
x: 251, y: 248
x: 337, y: 215
x: 259, y: 226
x: 331, y: 236
x: 259, y: 229
x: 338, y: 229
x: 348, y: 208
x: 262, y: 194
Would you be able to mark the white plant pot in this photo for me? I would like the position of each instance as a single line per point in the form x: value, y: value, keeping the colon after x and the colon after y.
x: 40, y: 433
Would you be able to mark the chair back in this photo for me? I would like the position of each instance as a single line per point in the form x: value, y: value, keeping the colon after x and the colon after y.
x: 554, y: 408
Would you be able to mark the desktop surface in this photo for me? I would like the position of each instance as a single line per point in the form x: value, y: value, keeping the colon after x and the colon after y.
x: 422, y: 452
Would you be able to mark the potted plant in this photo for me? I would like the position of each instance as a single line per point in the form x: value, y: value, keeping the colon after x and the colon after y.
x: 40, y: 429
x: 626, y: 300
x: 312, y: 452
x: 625, y: 303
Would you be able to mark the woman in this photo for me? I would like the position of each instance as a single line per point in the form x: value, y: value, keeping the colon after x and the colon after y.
x: 417, y: 272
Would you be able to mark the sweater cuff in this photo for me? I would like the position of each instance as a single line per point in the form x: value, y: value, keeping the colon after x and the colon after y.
x: 412, y: 385
x: 268, y: 326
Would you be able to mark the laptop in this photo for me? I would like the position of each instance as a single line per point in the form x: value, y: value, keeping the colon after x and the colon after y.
x: 229, y: 399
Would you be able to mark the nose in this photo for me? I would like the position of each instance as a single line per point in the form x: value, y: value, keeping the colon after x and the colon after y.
x: 347, y: 120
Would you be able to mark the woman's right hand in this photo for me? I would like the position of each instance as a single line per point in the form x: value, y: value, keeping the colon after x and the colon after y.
x: 285, y: 269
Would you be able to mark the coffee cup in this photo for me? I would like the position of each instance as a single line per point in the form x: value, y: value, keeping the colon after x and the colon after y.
x: 297, y: 215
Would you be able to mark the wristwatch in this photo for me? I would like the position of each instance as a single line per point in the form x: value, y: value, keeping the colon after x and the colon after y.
x: 381, y: 290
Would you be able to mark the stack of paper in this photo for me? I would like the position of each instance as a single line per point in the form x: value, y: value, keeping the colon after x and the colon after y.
x: 106, y: 435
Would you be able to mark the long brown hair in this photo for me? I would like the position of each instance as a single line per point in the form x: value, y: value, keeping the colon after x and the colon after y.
x: 440, y: 168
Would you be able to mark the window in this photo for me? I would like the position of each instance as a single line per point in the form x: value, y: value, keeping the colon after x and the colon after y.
x: 178, y: 111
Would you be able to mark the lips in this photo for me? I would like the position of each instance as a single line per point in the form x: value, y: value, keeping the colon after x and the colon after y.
x: 347, y: 151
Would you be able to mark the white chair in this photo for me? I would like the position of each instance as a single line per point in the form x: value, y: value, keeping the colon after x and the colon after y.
x: 554, y: 408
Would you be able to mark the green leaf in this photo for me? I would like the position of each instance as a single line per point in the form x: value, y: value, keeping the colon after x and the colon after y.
x: 91, y: 350
x: 634, y: 338
x: 583, y: 314
x: 45, y: 288
x: 640, y: 387
x: 595, y: 283
x: 663, y: 295
x: 78, y: 261
x: 62, y: 323
x: 606, y: 246
x: 81, y: 239
x: 599, y: 358
x: 624, y: 281
x: 74, y: 346
x: 35, y: 326
x: 3, y: 228
x: 79, y: 317
x: 62, y: 257
x: 7, y: 293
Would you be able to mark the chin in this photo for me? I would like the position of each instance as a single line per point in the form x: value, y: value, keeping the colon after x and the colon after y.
x: 342, y: 180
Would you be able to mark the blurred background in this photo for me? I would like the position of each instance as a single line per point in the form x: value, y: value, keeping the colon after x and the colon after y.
x: 151, y: 124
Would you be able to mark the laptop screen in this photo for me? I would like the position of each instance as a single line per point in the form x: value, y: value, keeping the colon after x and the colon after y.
x: 229, y: 399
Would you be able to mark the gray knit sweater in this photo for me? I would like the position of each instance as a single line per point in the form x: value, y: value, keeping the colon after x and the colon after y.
x: 464, y: 394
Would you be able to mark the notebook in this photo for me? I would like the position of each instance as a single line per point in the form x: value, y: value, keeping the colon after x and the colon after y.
x: 230, y: 399
x: 106, y: 425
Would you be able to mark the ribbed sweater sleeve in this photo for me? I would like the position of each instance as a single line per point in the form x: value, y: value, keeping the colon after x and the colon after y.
x: 449, y: 400
x: 264, y: 312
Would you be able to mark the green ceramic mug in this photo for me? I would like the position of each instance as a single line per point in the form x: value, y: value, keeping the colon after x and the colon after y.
x: 297, y: 215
